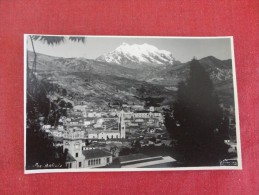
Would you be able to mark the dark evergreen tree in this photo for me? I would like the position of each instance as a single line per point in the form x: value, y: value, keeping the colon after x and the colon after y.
x: 136, y: 146
x: 39, y: 145
x: 196, y: 121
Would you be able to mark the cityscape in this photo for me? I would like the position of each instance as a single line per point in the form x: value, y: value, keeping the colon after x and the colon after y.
x: 125, y: 108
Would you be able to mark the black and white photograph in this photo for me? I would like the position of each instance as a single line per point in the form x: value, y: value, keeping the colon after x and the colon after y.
x: 130, y: 103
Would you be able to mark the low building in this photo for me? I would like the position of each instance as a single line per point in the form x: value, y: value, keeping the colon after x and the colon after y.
x: 133, y: 124
x: 46, y: 127
x: 141, y: 114
x: 92, y: 134
x: 144, y: 161
x: 139, y: 120
x: 104, y: 134
x: 81, y: 108
x: 109, y: 135
x: 137, y: 107
x: 56, y: 133
x: 147, y: 114
x: 96, y: 158
x: 93, y: 114
x: 78, y: 158
x: 152, y: 109
x: 74, y: 134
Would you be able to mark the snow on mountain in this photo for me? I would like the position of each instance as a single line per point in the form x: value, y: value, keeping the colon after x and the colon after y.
x: 138, y: 54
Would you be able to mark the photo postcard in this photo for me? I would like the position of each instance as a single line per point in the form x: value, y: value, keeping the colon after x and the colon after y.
x: 130, y: 103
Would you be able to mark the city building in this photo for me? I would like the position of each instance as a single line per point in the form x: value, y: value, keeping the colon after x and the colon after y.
x: 78, y: 158
x: 143, y: 161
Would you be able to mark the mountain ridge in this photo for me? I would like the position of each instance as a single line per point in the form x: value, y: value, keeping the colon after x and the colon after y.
x: 97, y: 83
x: 138, y: 54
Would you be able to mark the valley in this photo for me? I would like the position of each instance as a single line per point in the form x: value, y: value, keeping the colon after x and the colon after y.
x: 101, y: 112
x: 99, y: 83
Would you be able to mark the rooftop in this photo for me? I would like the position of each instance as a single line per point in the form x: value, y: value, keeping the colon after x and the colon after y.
x: 96, y: 153
x: 70, y: 158
x: 163, y: 162
x: 142, y: 111
x: 132, y: 157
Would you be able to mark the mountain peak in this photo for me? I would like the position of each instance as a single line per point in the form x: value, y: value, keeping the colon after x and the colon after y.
x: 124, y: 44
x: 138, y: 54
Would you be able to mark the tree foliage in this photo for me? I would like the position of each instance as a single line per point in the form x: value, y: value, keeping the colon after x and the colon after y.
x: 196, y: 121
x: 136, y: 146
x: 52, y: 41
x: 56, y: 40
x: 41, y: 110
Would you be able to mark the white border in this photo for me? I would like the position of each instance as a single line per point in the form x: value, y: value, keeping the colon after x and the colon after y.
x: 24, y: 98
x: 239, y: 167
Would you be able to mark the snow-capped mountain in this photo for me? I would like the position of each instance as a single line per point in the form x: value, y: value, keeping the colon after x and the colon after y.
x: 136, y: 54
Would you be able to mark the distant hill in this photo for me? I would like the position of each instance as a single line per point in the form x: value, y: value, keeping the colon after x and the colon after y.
x: 99, y: 83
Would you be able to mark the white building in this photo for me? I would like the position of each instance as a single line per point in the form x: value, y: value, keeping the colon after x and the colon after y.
x: 104, y: 135
x: 96, y: 158
x: 81, y: 108
x: 77, y: 158
x: 92, y: 134
x: 74, y: 134
x: 152, y: 109
x: 56, y: 133
x: 109, y: 135
x: 93, y: 114
x: 137, y: 107
x: 113, y: 130
x: 46, y: 127
x: 60, y: 127
x: 146, y: 114
x: 88, y: 121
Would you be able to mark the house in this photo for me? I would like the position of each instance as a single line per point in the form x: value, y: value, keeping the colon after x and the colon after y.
x: 150, y: 123
x: 139, y: 120
x: 157, y: 115
x: 104, y: 134
x: 93, y: 146
x: 71, y: 134
x: 133, y: 124
x: 94, y: 114
x: 109, y: 135
x: 60, y: 127
x: 88, y: 121
x: 141, y: 114
x: 125, y: 114
x: 81, y: 108
x: 137, y: 107
x: 56, y: 133
x: 125, y: 106
x: 92, y: 134
x: 151, y: 108
x: 46, y: 127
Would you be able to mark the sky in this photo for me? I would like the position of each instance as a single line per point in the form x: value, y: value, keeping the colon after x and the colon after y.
x: 182, y: 49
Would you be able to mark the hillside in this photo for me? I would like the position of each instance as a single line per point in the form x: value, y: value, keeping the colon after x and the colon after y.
x: 94, y: 82
x: 100, y: 83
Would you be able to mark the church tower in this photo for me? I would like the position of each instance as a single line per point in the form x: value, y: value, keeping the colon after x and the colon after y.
x: 122, y: 126
x: 73, y: 142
